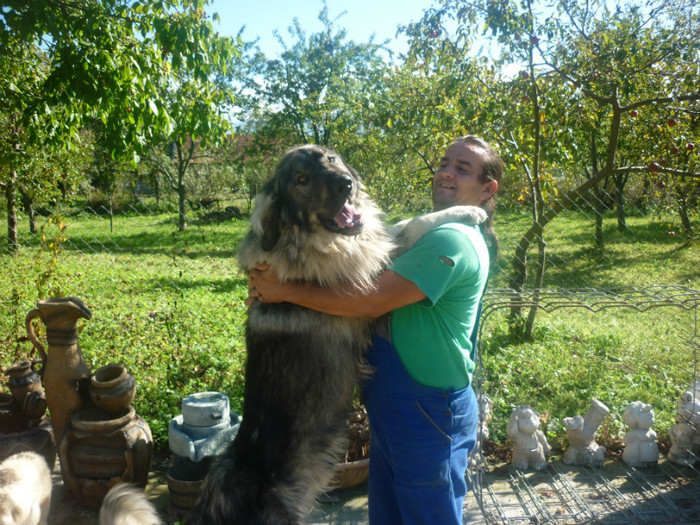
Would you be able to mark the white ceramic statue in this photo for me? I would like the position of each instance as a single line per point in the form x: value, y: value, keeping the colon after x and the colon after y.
x: 485, y: 406
x: 689, y: 405
x: 580, y: 431
x: 641, y: 449
x: 689, y: 414
x: 530, y: 446
x: 681, y: 435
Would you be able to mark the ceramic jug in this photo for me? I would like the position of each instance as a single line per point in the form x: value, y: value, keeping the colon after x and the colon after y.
x: 65, y: 374
x: 22, y: 379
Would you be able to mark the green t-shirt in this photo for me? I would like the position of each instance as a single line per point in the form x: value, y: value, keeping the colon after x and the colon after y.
x: 450, y: 265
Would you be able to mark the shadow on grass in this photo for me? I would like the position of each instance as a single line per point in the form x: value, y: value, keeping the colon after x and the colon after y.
x: 193, y: 243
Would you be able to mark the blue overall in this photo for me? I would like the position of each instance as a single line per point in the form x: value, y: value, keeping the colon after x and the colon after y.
x: 420, y: 440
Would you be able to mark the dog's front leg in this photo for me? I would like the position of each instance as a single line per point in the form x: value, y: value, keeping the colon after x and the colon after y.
x: 408, y: 231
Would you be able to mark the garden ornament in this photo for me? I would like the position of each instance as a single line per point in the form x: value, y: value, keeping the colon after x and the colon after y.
x: 641, y: 449
x: 580, y: 431
x: 65, y: 374
x: 681, y: 435
x: 530, y: 446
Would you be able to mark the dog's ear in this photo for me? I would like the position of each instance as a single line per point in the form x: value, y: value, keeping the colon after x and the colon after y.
x: 267, y: 223
x: 271, y: 228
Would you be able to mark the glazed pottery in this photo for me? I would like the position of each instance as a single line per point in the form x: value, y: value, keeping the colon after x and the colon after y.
x: 65, y: 373
x: 112, y: 388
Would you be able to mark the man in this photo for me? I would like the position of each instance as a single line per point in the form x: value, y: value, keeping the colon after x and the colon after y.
x: 422, y: 409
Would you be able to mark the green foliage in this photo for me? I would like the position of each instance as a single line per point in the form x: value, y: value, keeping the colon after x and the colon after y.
x: 116, y: 61
x: 311, y: 92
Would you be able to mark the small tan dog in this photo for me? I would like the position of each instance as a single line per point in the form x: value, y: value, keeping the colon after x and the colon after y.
x: 25, y: 490
x: 126, y: 504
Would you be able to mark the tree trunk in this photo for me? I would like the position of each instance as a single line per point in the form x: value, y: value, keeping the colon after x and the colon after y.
x: 28, y: 204
x: 519, y: 263
x: 686, y: 225
x: 620, y: 203
x: 599, y: 208
x: 11, y: 196
x: 539, y: 280
x: 535, y: 231
x: 182, y: 203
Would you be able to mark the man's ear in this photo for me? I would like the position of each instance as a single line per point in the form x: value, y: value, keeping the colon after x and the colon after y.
x: 488, y: 189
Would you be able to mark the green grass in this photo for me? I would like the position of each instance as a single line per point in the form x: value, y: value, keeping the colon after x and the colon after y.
x: 169, y: 305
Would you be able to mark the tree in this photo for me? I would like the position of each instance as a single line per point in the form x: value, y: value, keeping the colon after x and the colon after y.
x: 118, y: 61
x: 309, y: 92
x: 28, y: 168
x: 590, y: 68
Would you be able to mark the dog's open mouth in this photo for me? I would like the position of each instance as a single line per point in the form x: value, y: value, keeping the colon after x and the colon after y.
x: 348, y: 221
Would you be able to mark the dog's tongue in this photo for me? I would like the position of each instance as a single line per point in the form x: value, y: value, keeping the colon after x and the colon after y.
x: 348, y: 217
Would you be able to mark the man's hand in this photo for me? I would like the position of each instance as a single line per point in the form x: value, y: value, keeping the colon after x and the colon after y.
x: 264, y: 286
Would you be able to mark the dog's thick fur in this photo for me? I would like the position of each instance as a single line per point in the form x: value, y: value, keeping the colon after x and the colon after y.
x: 25, y: 490
x: 312, y: 222
x: 126, y: 504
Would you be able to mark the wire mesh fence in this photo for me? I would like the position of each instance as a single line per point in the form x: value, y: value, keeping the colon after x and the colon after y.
x: 612, y: 491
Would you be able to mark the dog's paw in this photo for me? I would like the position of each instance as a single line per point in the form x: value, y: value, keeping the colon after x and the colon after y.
x: 471, y: 215
x: 407, y: 232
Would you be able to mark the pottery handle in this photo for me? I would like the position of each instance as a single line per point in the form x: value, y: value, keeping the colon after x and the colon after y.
x: 32, y: 334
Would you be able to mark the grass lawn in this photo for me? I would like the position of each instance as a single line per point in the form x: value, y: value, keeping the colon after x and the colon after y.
x: 169, y: 305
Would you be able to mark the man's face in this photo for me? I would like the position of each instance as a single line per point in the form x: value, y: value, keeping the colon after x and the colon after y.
x: 457, y: 181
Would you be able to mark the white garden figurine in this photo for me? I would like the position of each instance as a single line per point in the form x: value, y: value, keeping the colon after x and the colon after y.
x: 530, y: 446
x: 485, y: 405
x: 689, y: 417
x: 681, y: 435
x: 641, y: 449
x: 580, y: 431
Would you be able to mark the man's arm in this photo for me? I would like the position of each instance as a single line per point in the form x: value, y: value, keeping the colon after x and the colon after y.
x: 391, y: 291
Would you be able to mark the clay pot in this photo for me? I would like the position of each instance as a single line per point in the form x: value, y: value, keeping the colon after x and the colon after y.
x: 112, y: 388
x: 185, y: 479
x: 100, y: 450
x: 22, y: 379
x: 11, y: 418
x: 7, y: 402
x: 39, y: 439
x: 350, y: 474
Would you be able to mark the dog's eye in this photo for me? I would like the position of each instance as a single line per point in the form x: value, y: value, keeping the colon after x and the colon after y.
x: 331, y: 159
x: 302, y: 179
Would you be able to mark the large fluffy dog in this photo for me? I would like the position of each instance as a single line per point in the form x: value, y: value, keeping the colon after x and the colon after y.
x: 312, y: 222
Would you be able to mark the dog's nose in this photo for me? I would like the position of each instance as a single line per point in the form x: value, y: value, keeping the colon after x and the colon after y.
x: 342, y: 185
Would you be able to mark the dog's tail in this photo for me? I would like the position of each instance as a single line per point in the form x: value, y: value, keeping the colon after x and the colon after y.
x: 126, y: 504
x: 239, y: 494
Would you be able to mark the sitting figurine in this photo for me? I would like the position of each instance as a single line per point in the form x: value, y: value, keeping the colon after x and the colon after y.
x: 485, y: 405
x: 681, y: 435
x: 529, y: 443
x: 580, y: 431
x: 689, y: 413
x: 641, y: 449
x: 689, y: 405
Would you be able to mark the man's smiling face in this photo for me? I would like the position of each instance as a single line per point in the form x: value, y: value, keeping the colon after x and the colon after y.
x: 458, y: 180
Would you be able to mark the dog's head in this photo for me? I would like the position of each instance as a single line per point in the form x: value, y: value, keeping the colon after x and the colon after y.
x: 312, y: 188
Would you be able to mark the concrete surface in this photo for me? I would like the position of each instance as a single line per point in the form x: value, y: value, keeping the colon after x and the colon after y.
x: 346, y: 507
